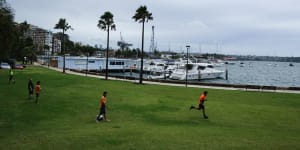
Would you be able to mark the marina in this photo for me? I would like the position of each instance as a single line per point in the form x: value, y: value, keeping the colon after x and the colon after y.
x: 260, y: 73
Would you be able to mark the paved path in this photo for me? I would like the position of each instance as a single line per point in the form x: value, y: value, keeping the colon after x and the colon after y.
x: 169, y: 84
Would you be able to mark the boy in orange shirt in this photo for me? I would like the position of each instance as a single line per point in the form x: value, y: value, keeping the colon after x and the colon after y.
x: 37, y: 91
x: 201, y: 104
x: 102, y: 107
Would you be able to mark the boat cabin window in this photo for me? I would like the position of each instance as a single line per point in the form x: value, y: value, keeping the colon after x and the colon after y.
x: 201, y: 67
x: 189, y: 66
x: 116, y: 63
x: 210, y: 66
x: 91, y: 61
x: 119, y: 63
x: 152, y: 63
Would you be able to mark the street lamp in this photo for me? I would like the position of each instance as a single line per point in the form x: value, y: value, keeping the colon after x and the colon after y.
x: 187, y: 63
x: 87, y: 64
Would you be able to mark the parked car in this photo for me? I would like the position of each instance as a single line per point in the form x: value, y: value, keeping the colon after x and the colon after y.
x: 5, y: 65
x: 18, y: 66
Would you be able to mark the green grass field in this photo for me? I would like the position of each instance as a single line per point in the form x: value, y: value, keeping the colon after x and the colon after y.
x: 142, y: 116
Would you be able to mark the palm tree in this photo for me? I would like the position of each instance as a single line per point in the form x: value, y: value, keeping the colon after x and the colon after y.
x: 106, y: 23
x: 62, y: 24
x: 142, y: 15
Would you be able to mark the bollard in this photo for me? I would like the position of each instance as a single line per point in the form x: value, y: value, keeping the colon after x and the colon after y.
x: 226, y: 74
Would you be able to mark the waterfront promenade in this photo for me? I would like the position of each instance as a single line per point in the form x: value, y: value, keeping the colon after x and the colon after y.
x: 173, y: 84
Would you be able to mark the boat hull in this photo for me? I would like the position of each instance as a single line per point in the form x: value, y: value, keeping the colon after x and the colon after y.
x: 196, y: 75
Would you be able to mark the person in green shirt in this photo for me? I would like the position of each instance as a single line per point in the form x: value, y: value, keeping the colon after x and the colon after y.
x: 11, y: 77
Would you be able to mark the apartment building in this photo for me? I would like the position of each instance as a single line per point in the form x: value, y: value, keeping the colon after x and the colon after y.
x: 45, y: 40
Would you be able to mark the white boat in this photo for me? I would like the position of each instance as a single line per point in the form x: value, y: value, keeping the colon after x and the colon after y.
x: 172, y: 66
x: 229, y: 63
x: 156, y: 77
x: 94, y: 63
x: 155, y: 67
x: 196, y: 71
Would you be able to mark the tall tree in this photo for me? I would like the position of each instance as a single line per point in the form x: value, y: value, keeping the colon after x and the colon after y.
x: 7, y: 30
x: 62, y: 24
x: 23, y: 28
x: 142, y: 15
x: 106, y: 23
x: 23, y: 40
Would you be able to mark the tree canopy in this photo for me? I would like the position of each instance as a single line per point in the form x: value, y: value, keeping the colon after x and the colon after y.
x: 7, y: 30
x: 106, y: 21
x: 142, y: 15
x: 63, y: 24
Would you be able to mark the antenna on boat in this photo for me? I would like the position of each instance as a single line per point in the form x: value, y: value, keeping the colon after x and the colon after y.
x: 200, y: 47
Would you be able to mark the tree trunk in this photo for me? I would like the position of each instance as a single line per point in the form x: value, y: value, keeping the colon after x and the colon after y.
x: 142, y: 56
x: 64, y: 52
x: 106, y: 70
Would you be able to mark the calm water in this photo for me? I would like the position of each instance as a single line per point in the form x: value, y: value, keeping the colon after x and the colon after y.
x: 262, y: 73
x: 256, y: 73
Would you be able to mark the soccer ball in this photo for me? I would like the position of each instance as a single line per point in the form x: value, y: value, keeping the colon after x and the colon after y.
x: 99, y: 118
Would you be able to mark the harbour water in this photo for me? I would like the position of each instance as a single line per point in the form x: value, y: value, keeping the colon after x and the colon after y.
x: 261, y: 73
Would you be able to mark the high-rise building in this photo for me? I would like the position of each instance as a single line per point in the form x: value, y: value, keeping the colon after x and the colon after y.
x: 56, y: 44
x: 45, y: 41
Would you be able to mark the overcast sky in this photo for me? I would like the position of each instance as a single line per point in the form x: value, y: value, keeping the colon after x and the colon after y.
x: 247, y: 27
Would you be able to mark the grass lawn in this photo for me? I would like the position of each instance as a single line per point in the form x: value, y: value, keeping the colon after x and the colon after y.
x: 142, y: 116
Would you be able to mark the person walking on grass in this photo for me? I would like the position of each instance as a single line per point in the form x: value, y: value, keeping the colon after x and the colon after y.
x: 102, y: 107
x: 30, y: 88
x: 11, y: 77
x: 201, y: 104
x: 37, y: 91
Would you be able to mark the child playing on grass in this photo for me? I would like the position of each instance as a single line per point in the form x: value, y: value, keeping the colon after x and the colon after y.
x: 11, y: 77
x: 37, y: 91
x: 30, y: 88
x: 201, y: 104
x: 102, y: 107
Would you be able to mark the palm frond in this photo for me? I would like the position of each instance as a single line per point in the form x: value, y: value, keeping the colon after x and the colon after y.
x: 62, y: 24
x: 142, y: 15
x: 113, y: 27
x: 106, y: 21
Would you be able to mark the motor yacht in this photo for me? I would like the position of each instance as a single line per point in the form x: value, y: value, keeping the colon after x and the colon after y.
x: 196, y: 71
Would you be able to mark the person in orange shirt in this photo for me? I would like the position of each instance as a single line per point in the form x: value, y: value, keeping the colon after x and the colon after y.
x: 201, y: 104
x: 37, y: 91
x: 102, y: 107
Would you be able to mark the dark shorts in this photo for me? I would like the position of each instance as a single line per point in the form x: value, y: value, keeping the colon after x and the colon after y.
x: 37, y: 94
x: 201, y: 106
x: 11, y: 77
x: 30, y: 92
x: 102, y: 110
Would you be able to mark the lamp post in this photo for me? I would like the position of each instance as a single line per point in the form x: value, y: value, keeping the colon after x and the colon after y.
x: 48, y: 58
x: 187, y: 63
x: 87, y: 64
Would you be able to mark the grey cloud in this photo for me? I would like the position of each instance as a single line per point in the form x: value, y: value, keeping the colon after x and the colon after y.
x: 240, y: 26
